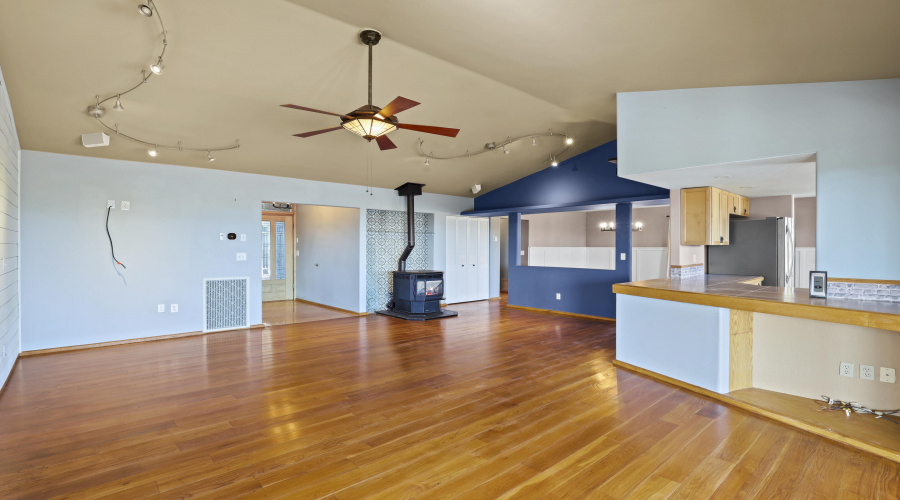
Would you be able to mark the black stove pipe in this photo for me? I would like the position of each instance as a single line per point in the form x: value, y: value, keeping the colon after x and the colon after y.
x: 410, y: 190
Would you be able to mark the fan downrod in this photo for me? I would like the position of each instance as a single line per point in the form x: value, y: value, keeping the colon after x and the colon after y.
x: 370, y: 37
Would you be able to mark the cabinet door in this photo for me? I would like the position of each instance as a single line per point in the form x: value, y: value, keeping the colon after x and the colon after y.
x: 472, y: 260
x: 462, y: 256
x: 745, y: 206
x: 695, y: 211
x: 484, y: 259
x: 724, y: 218
x: 718, y: 209
x: 734, y: 204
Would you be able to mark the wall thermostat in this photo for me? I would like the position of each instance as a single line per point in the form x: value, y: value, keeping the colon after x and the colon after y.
x: 232, y: 236
x: 818, y: 284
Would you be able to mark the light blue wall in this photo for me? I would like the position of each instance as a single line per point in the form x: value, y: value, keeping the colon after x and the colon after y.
x: 687, y: 342
x: 853, y: 127
x: 10, y: 338
x: 169, y: 240
x: 329, y: 248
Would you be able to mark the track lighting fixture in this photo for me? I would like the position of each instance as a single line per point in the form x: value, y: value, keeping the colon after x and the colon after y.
x: 148, y: 9
x: 505, y: 151
x: 553, y: 162
x: 569, y: 141
x: 533, y: 141
x: 157, y: 68
x: 426, y: 161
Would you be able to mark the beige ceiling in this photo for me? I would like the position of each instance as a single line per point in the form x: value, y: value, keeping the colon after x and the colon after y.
x: 492, y: 69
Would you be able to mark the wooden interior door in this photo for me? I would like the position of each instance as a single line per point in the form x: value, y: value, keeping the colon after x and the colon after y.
x: 277, y: 257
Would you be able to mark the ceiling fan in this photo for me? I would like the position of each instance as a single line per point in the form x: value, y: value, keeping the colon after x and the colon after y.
x: 371, y: 122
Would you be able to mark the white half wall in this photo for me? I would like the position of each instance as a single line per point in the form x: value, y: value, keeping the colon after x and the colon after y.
x: 328, y: 249
x: 169, y: 240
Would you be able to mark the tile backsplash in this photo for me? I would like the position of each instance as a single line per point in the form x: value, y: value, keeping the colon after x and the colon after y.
x: 863, y: 291
x: 687, y: 272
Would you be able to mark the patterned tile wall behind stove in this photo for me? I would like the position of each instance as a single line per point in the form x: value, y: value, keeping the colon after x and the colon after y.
x: 385, y: 241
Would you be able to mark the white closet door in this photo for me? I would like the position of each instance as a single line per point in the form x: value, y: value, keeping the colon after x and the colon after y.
x: 462, y: 259
x: 484, y: 259
x: 451, y: 272
x: 472, y: 260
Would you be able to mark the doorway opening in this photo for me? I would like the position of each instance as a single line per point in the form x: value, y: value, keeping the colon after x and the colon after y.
x: 310, y: 262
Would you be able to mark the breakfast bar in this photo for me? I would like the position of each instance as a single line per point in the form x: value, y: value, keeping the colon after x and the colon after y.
x: 771, y: 350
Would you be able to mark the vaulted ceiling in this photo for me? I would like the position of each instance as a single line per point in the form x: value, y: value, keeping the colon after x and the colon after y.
x: 492, y: 69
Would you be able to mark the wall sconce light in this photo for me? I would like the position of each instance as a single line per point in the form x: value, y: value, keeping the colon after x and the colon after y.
x: 607, y: 226
x: 637, y: 226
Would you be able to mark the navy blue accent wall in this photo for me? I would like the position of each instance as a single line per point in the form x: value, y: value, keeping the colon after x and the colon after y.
x: 582, y: 291
x: 584, y: 179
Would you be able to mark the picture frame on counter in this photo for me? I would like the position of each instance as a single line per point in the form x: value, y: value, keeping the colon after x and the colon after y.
x: 818, y: 284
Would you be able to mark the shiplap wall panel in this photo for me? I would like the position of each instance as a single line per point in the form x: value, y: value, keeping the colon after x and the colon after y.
x: 10, y: 336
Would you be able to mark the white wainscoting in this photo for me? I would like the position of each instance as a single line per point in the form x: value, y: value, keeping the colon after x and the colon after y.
x: 577, y: 257
x: 805, y: 260
x: 647, y: 262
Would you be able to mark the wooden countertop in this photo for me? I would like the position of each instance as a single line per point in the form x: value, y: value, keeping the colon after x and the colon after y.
x: 733, y: 292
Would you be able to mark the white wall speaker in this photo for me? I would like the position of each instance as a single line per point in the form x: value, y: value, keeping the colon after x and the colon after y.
x: 95, y: 140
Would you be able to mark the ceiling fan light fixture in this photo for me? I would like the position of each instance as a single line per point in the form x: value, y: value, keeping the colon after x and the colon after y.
x: 369, y: 127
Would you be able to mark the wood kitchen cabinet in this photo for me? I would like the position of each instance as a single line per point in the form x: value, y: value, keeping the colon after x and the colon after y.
x: 705, y: 214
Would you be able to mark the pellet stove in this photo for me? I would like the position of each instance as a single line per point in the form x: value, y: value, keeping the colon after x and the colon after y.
x: 417, y: 294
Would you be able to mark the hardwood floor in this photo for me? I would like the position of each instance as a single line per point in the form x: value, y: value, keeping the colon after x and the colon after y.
x: 286, y: 312
x: 497, y: 403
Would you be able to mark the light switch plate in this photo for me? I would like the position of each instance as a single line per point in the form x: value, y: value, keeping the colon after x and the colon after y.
x: 558, y: 296
x: 126, y: 205
x: 243, y: 237
x: 622, y: 256
x: 161, y: 308
x: 221, y: 236
x: 174, y: 308
x: 241, y: 256
x: 523, y: 252
x: 867, y: 372
x: 888, y: 375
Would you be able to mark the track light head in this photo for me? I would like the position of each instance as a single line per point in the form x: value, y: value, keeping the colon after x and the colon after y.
x: 553, y: 162
x: 157, y: 67
x: 209, y: 157
x: 505, y: 151
x: 145, y: 10
x: 569, y: 141
x: 118, y: 106
x: 154, y: 152
x: 426, y: 161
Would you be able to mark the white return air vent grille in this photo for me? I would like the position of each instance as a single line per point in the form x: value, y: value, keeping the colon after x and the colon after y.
x: 225, y: 303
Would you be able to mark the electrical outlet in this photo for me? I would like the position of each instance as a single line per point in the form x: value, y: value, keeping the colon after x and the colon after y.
x: 241, y: 256
x: 847, y: 369
x: 867, y: 372
x: 523, y: 252
x: 888, y: 375
x: 173, y: 308
x: 558, y: 296
x: 111, y: 204
x: 161, y: 308
x: 126, y: 205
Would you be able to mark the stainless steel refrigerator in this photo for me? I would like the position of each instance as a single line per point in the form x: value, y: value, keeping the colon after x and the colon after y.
x: 757, y: 248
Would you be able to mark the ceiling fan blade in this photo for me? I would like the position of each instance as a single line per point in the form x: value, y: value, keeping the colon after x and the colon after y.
x: 449, y: 132
x: 317, y: 132
x: 385, y: 142
x: 301, y: 108
x: 397, y: 105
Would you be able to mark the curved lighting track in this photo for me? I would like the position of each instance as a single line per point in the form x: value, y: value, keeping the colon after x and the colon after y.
x: 98, y: 111
x: 501, y: 146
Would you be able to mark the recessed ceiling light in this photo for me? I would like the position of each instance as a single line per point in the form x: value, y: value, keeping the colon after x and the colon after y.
x: 748, y: 187
x: 723, y: 177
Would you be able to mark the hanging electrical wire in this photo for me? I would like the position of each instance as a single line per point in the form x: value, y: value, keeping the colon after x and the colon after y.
x: 112, y: 249
x: 847, y: 407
